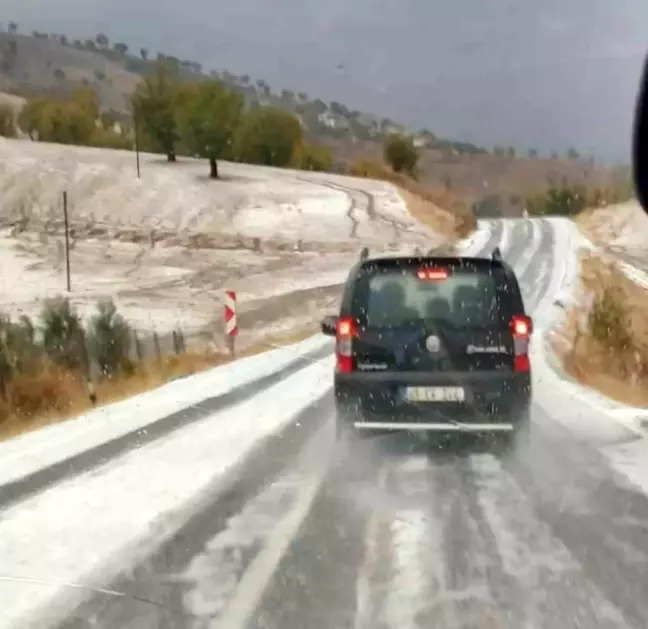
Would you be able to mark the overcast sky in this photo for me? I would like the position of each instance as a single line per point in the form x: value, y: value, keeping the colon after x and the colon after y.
x: 533, y: 73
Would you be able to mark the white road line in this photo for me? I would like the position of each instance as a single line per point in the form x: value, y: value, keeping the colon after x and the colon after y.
x: 535, y: 241
x: 364, y: 605
x: 505, y: 237
x: 411, y: 535
x: 242, y: 606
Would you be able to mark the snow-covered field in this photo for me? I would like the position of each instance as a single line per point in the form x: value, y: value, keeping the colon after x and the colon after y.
x: 167, y: 245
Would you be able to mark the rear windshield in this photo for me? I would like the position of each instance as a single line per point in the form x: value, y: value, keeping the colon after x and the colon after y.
x: 388, y: 297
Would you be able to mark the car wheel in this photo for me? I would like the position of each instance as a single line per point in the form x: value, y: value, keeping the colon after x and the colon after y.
x: 344, y: 427
x: 518, y: 438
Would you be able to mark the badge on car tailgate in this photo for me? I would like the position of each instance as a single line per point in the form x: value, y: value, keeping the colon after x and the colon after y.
x: 480, y: 349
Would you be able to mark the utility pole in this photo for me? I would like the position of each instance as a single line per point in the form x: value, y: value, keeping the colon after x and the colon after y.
x: 136, y: 142
x: 67, y: 240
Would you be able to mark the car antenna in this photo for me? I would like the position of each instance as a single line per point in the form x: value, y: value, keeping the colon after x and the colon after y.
x: 497, y: 254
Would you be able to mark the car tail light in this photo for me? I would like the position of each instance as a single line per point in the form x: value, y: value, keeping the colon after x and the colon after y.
x: 521, y: 327
x: 433, y: 274
x: 346, y: 330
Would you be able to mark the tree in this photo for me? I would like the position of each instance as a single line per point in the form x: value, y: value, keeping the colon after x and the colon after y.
x: 62, y: 121
x: 268, y: 136
x: 208, y: 115
x: 7, y: 121
x: 120, y: 48
x: 13, y: 27
x: 511, y: 151
x: 400, y: 153
x: 63, y: 40
x: 59, y: 74
x: 572, y: 153
x: 154, y: 106
x: 102, y: 40
x: 144, y: 54
x: 533, y: 153
x: 90, y: 44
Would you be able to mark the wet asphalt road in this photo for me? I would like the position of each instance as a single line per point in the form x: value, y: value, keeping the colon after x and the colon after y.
x: 391, y: 533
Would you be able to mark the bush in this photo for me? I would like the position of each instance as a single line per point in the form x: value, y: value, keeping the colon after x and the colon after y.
x: 314, y: 157
x: 63, y: 334
x: 401, y: 154
x: 8, y: 121
x: 109, y: 339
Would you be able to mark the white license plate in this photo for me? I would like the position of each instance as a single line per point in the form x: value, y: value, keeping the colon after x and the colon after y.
x: 435, y: 394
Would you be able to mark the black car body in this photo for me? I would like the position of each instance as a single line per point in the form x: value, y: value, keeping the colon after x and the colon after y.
x: 434, y: 344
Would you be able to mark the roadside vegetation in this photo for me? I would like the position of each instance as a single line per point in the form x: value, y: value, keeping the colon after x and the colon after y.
x: 604, y: 340
x: 58, y: 367
x: 441, y: 209
x: 571, y: 200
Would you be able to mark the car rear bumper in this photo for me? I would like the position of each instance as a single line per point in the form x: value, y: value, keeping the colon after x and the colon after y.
x: 494, y: 401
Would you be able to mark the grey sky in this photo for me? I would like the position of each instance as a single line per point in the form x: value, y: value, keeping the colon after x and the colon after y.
x: 542, y: 73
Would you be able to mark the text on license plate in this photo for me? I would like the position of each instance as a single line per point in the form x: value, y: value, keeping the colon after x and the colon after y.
x: 435, y: 394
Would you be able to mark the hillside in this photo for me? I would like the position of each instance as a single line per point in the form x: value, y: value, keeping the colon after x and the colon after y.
x: 166, y: 245
x: 494, y: 181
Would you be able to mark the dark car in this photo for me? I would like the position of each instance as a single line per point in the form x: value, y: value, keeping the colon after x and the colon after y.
x: 434, y: 343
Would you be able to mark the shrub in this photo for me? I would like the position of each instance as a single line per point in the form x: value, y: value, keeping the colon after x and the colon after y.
x: 401, y: 154
x: 63, y: 335
x: 109, y: 339
x: 8, y: 121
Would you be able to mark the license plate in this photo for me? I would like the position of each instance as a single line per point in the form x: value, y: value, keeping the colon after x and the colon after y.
x: 435, y: 394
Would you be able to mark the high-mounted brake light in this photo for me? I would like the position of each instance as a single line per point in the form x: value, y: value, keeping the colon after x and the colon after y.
x: 521, y: 327
x: 432, y: 274
x: 346, y: 330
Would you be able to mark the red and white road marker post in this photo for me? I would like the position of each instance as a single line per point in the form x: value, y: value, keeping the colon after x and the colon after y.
x: 231, y: 326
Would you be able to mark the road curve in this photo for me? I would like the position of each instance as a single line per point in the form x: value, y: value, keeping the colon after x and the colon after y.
x: 384, y: 534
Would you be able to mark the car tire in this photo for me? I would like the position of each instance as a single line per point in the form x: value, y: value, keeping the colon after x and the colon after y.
x: 518, y: 438
x: 344, y: 428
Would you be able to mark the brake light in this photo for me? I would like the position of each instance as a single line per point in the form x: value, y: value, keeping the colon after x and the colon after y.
x: 346, y: 330
x: 432, y: 274
x: 521, y: 327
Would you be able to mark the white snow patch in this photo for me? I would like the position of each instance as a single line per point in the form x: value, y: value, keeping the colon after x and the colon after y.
x: 47, y: 537
x: 32, y: 451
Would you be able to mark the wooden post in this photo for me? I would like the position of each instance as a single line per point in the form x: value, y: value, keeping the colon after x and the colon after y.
x: 137, y: 157
x: 67, y: 241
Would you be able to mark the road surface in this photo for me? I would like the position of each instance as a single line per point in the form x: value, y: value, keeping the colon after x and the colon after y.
x: 384, y: 533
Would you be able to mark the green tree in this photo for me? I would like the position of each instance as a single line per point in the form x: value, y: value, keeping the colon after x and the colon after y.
x: 120, y: 48
x: 208, y: 116
x: 13, y: 27
x: 155, y: 108
x: 400, y: 153
x: 268, y: 136
x: 572, y: 153
x: 144, y: 54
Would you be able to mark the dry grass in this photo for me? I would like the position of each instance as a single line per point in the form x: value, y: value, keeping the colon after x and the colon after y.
x: 51, y: 394
x: 604, y: 341
x: 440, y: 209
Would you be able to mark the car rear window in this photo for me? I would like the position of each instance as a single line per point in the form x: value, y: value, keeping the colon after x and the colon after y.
x: 394, y: 296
